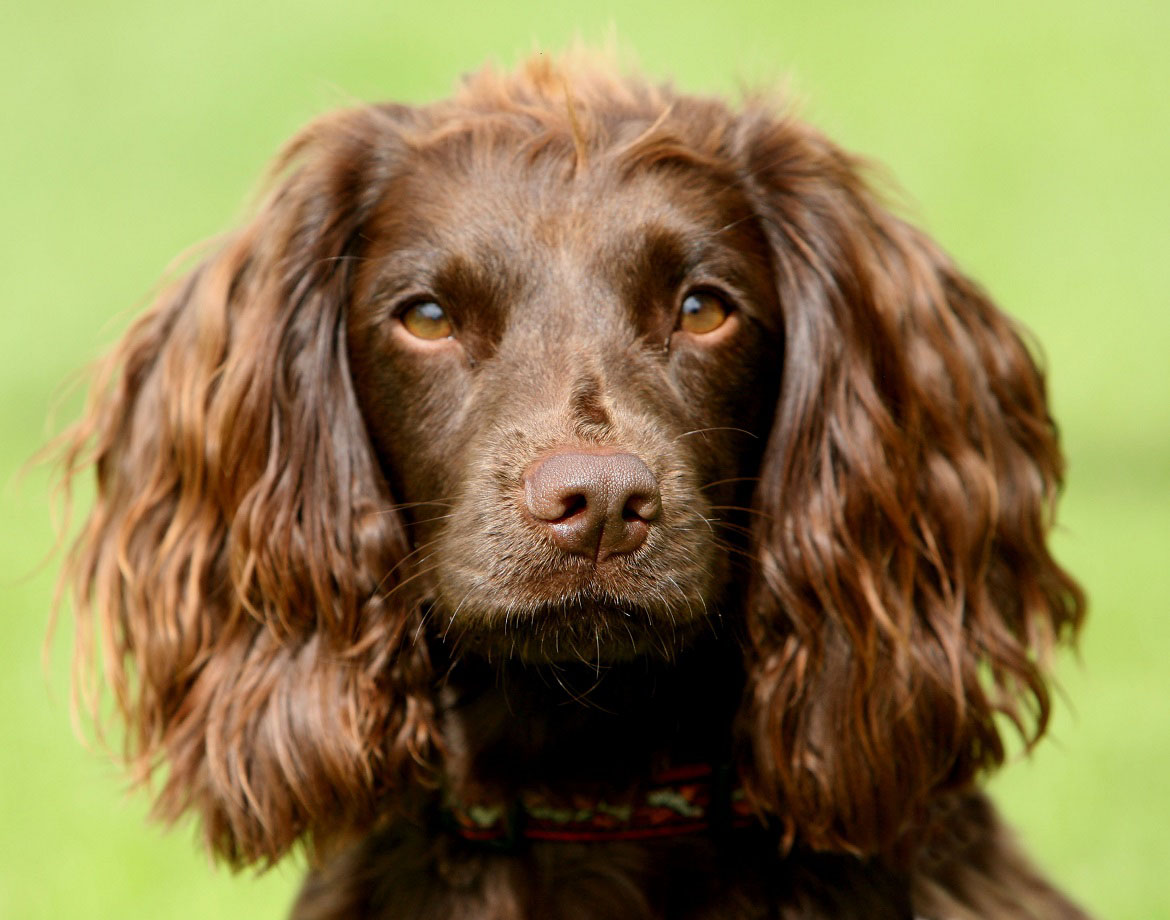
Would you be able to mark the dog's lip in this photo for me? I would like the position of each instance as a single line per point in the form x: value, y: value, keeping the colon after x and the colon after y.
x: 608, y: 582
x: 578, y: 604
x: 584, y: 602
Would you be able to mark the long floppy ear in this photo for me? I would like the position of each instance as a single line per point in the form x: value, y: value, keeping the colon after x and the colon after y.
x: 238, y: 568
x: 905, y: 598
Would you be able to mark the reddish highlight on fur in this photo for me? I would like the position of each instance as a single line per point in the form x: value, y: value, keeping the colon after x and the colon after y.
x: 236, y: 565
x: 905, y: 597
x: 304, y: 553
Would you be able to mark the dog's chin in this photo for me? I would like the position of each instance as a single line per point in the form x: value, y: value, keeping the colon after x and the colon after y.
x: 589, y: 631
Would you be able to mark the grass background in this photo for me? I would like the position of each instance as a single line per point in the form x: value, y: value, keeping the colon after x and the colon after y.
x: 1032, y: 137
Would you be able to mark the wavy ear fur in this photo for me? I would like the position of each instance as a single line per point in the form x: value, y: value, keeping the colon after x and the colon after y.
x: 237, y: 567
x: 905, y: 597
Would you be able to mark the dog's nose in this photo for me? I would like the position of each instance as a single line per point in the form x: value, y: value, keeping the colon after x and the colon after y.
x: 593, y: 504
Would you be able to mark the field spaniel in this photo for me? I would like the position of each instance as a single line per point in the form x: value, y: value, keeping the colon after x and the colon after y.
x: 578, y: 499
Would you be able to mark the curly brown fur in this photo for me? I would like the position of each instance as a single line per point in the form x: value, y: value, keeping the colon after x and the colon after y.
x: 319, y: 597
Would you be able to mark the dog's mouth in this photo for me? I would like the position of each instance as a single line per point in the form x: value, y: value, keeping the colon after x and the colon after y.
x: 582, y: 628
x: 605, y: 614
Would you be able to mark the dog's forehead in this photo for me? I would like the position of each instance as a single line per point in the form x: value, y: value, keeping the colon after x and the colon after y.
x: 511, y: 227
x: 502, y: 202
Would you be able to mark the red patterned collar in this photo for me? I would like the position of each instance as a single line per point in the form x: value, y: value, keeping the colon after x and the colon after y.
x: 682, y: 800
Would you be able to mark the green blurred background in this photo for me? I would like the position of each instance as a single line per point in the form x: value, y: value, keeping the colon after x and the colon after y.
x: 1033, y: 140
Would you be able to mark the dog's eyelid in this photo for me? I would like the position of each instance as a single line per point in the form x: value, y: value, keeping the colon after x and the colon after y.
x: 712, y: 288
x: 403, y: 304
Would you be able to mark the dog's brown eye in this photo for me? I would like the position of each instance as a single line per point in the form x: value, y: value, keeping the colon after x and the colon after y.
x: 702, y: 312
x: 427, y: 320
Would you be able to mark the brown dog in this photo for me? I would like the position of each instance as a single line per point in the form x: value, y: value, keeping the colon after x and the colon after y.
x: 578, y: 499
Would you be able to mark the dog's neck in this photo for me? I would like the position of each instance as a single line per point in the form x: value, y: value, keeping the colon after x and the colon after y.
x: 514, y: 725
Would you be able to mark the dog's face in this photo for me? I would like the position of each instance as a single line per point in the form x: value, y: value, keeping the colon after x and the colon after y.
x: 567, y: 376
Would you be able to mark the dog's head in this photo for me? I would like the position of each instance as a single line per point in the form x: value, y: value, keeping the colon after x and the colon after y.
x: 566, y: 344
x: 568, y: 367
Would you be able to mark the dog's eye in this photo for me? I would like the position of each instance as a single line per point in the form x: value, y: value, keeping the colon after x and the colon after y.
x: 427, y: 320
x: 702, y: 312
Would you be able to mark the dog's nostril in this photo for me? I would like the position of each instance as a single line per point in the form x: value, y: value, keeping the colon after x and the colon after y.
x: 642, y: 507
x: 551, y: 497
x: 593, y: 504
x: 573, y: 505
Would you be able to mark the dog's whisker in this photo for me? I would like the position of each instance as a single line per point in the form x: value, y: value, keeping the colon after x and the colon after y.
x: 757, y: 512
x: 727, y: 481
x: 406, y: 506
x: 407, y: 559
x: 731, y: 525
x: 713, y: 428
x: 415, y: 572
x: 455, y: 612
x: 431, y: 520
x: 739, y: 551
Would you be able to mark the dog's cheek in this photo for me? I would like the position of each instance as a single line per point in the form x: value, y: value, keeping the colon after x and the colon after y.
x: 414, y: 411
x: 728, y: 396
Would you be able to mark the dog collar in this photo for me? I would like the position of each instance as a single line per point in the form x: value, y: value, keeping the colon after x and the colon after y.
x: 682, y: 800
